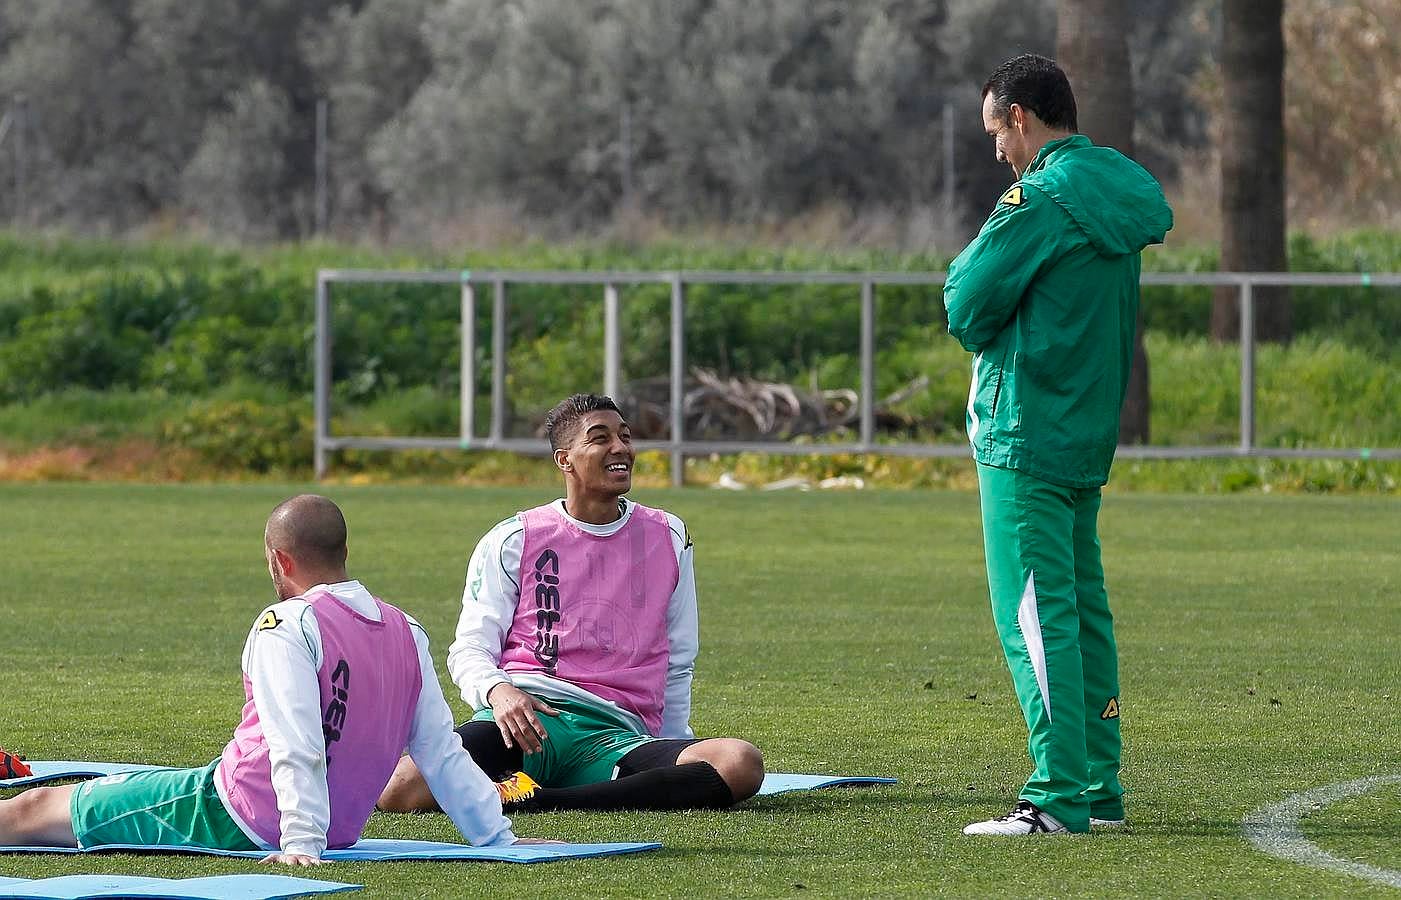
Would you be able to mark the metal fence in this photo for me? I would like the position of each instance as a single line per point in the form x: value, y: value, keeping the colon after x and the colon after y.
x: 677, y: 444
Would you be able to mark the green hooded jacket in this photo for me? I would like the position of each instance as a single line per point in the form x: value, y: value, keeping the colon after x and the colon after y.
x: 1046, y: 298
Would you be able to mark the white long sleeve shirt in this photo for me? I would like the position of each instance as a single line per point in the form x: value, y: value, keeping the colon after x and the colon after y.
x: 282, y: 665
x: 489, y: 606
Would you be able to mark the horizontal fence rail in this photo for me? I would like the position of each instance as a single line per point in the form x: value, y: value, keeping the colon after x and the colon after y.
x: 678, y: 446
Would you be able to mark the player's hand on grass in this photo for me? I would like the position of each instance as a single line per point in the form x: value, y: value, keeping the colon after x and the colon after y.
x: 292, y: 859
x: 515, y: 711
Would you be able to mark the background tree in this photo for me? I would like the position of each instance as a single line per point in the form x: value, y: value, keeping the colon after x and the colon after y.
x: 1092, y: 45
x: 368, y: 63
x: 236, y: 188
x: 85, y: 96
x: 511, y: 115
x: 1170, y: 42
x: 1252, y: 165
x: 1342, y: 110
x: 544, y: 118
x: 976, y: 36
x: 214, y: 67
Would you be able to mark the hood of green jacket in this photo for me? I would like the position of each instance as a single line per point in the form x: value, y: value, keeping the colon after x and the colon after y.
x: 1114, y: 201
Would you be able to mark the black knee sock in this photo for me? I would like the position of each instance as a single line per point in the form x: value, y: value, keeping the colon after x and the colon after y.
x: 483, y: 741
x: 691, y: 786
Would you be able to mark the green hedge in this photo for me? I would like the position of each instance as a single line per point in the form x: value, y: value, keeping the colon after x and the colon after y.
x: 190, y: 320
x: 1362, y: 317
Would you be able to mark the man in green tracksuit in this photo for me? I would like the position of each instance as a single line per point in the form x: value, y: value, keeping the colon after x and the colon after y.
x: 1046, y: 298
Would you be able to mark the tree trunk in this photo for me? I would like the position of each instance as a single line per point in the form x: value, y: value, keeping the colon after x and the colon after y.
x: 1094, y: 52
x: 1252, y: 166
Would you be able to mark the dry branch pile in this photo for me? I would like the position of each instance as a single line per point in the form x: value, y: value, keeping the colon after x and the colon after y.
x: 746, y: 409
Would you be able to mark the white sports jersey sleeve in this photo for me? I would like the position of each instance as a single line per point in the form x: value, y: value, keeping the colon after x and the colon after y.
x: 281, y: 664
x: 683, y: 637
x: 488, y: 607
x: 465, y: 793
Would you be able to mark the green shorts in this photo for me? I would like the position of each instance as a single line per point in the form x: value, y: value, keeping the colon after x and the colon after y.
x: 584, y: 746
x: 169, y: 807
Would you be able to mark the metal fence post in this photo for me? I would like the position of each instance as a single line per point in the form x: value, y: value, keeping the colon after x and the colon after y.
x: 1247, y: 366
x: 950, y: 170
x: 612, y: 345
x: 467, y: 380
x: 678, y: 374
x: 868, y: 364
x: 322, y: 396
x: 21, y: 126
x: 322, y: 154
x: 498, y: 360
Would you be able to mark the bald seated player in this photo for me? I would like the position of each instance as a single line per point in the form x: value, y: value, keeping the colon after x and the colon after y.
x: 338, y: 684
x: 577, y: 643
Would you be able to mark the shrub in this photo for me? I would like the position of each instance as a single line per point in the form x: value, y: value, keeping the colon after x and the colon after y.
x: 1315, y: 392
x: 246, y: 435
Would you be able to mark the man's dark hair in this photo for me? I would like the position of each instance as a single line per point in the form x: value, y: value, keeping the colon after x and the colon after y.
x: 562, y: 421
x: 310, y: 528
x: 1036, y: 84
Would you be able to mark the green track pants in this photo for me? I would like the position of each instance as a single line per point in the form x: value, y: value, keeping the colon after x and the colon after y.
x: 1052, y: 615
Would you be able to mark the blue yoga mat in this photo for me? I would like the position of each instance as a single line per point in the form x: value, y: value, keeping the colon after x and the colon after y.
x: 780, y: 782
x: 54, y: 770
x: 218, y: 887
x: 384, y: 849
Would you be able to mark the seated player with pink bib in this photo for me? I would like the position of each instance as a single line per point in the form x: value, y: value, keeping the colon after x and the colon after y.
x: 338, y: 684
x: 576, y: 647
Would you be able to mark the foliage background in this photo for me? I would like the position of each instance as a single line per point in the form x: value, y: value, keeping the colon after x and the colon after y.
x: 146, y: 351
x: 458, y: 121
x: 623, y: 134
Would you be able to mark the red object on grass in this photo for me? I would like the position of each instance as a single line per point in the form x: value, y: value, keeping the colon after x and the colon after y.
x: 12, y: 766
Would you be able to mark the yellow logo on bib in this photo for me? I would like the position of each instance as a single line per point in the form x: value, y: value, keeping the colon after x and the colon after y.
x: 1013, y: 197
x: 269, y: 620
x: 1111, y: 711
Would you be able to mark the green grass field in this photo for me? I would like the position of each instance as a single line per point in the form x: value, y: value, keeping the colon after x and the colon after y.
x: 844, y: 633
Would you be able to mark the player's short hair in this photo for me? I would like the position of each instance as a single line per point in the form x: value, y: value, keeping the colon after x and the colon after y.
x: 1035, y: 83
x: 563, y: 421
x: 310, y: 528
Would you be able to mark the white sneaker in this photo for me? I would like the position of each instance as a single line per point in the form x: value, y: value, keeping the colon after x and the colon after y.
x: 1024, y: 819
x: 1106, y: 823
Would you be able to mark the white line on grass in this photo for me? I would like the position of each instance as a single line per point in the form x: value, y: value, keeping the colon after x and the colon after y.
x: 1275, y: 829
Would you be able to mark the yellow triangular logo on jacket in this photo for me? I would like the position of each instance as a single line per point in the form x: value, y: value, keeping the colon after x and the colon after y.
x: 1013, y: 197
x: 269, y: 620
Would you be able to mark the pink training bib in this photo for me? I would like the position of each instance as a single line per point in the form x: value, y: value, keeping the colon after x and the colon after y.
x: 369, y: 684
x: 592, y: 610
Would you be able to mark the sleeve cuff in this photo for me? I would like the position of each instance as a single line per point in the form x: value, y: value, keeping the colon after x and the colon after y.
x: 300, y: 848
x: 490, y: 683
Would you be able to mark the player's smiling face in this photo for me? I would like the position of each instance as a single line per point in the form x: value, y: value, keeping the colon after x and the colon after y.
x: 600, y: 456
